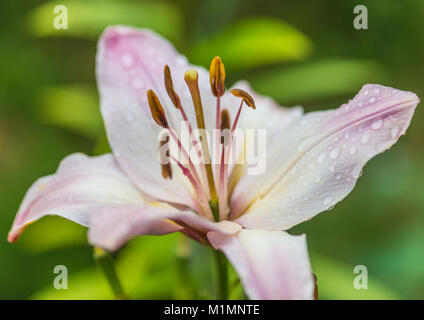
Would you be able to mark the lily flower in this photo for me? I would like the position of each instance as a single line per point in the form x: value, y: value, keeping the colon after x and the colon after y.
x: 313, y: 161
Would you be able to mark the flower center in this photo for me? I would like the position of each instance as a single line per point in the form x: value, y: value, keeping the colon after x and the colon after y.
x: 212, y: 196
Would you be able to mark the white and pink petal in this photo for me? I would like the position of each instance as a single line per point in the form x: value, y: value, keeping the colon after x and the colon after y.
x: 320, y: 157
x: 272, y: 265
x: 80, y: 185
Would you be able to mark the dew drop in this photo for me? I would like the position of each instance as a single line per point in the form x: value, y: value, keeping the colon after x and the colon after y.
x: 127, y: 60
x: 347, y: 135
x: 377, y: 91
x: 334, y: 153
x: 303, y: 144
x: 352, y: 150
x: 372, y: 100
x: 322, y: 157
x: 338, y: 176
x: 365, y: 138
x: 326, y: 201
x: 360, y: 104
x: 377, y: 124
x: 137, y: 83
x: 331, y: 168
x: 394, y: 132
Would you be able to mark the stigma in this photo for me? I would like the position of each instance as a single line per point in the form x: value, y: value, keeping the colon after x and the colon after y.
x: 209, y: 181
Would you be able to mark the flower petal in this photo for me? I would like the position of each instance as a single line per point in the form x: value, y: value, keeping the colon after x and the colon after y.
x: 270, y: 264
x: 129, y: 62
x: 319, y: 158
x: 268, y: 117
x: 80, y: 185
x: 95, y: 193
x: 111, y: 227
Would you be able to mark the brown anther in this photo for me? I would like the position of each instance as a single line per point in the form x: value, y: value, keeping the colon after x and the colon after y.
x: 225, y: 126
x: 247, y: 98
x: 225, y: 119
x: 170, y: 87
x: 217, y: 77
x: 164, y: 157
x: 158, y: 113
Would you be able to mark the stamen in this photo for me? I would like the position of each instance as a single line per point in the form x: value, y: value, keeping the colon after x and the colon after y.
x: 217, y: 82
x: 191, y: 78
x: 217, y: 77
x: 203, y: 201
x: 226, y: 150
x: 158, y: 113
x: 177, y: 103
x: 170, y: 88
x: 245, y: 96
x: 165, y: 156
x: 225, y: 126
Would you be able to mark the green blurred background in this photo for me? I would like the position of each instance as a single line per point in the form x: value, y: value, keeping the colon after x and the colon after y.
x: 299, y: 52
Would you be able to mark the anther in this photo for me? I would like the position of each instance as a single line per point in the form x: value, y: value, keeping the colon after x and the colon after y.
x: 247, y: 98
x: 158, y: 113
x: 170, y: 87
x: 225, y: 126
x: 217, y: 77
x: 164, y: 155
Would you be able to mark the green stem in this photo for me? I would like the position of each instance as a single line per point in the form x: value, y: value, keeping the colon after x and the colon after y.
x: 222, y: 275
x: 214, y: 205
x: 106, y: 263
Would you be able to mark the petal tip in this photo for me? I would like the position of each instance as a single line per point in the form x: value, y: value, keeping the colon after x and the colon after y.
x: 14, y: 235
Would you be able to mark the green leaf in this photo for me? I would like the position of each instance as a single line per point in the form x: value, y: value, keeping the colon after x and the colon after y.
x: 254, y: 42
x: 87, y: 19
x: 318, y: 80
x: 72, y: 107
x: 335, y: 281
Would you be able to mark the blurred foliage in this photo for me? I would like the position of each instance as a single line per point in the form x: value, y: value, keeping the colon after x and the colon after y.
x: 265, y: 40
x: 294, y: 51
x: 71, y: 107
x: 318, y: 80
x: 87, y: 19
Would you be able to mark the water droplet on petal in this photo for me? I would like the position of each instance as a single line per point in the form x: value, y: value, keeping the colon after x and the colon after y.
x: 331, y: 168
x: 127, y: 60
x: 326, y: 201
x: 377, y: 124
x: 334, y: 153
x: 352, y: 150
x: 322, y: 157
x: 338, y: 176
x: 372, y: 100
x: 365, y: 138
x: 137, y: 83
x: 394, y: 132
x: 347, y: 135
x: 377, y: 91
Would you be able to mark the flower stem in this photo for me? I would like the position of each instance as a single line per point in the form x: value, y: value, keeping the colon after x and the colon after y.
x: 106, y: 263
x: 222, y: 276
